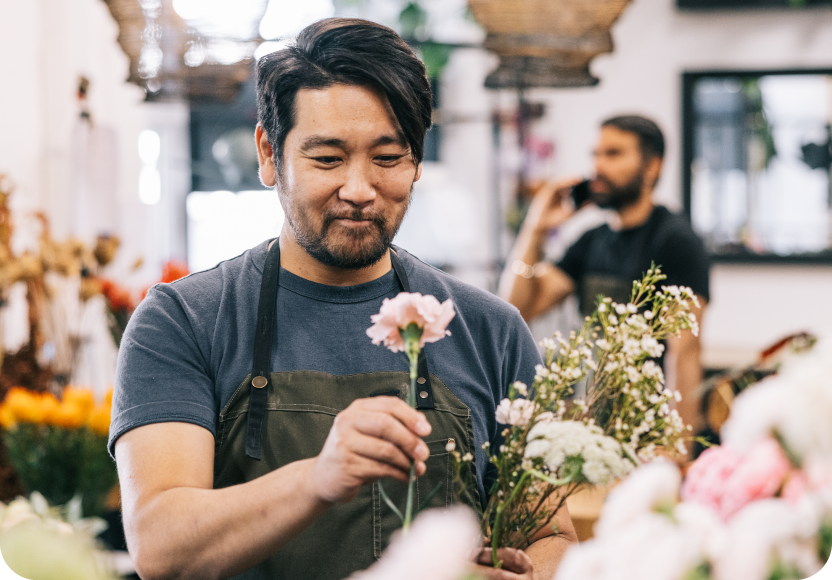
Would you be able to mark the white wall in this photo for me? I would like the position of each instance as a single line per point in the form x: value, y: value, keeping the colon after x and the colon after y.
x: 45, y: 45
x: 654, y: 44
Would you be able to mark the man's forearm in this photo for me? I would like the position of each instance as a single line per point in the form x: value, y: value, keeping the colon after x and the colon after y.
x: 517, y: 289
x: 207, y: 533
x: 547, y: 553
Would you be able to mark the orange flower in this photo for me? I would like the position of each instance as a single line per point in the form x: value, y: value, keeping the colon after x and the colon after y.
x: 117, y: 296
x: 173, y: 270
x: 99, y: 420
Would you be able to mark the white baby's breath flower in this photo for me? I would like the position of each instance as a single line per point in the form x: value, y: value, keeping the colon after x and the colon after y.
x: 555, y: 441
x: 516, y: 412
x: 648, y: 315
x: 521, y: 388
x: 620, y: 308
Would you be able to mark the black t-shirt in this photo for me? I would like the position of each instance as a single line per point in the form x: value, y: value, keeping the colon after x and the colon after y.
x: 608, y: 261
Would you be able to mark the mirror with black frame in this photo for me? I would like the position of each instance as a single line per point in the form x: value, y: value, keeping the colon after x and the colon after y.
x: 757, y: 158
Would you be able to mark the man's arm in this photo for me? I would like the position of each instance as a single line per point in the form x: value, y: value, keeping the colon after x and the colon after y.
x: 685, y: 370
x: 534, y: 290
x: 541, y: 559
x: 177, y: 526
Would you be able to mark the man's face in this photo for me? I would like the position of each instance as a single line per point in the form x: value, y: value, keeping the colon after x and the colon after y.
x: 619, y: 169
x: 347, y: 175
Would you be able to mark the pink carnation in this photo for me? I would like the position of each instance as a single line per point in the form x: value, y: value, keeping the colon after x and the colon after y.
x: 727, y: 481
x: 406, y: 308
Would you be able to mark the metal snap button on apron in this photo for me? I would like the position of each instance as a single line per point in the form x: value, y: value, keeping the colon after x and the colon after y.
x: 423, y: 394
x: 259, y: 382
x: 421, y: 380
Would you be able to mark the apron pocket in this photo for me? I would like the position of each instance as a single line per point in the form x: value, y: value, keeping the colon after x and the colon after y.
x: 438, y: 477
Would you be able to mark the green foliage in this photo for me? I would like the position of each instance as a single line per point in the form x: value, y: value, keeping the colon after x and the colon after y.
x: 825, y: 541
x: 60, y: 463
x: 701, y: 572
x: 435, y: 55
x: 412, y: 21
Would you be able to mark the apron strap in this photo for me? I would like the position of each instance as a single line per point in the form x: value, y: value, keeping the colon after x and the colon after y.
x: 264, y: 338
x: 424, y: 391
x: 266, y: 335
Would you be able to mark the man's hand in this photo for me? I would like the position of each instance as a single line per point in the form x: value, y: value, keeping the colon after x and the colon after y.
x: 551, y: 206
x: 371, y: 439
x: 516, y: 565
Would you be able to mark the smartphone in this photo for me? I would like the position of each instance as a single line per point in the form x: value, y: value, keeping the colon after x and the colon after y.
x: 581, y: 194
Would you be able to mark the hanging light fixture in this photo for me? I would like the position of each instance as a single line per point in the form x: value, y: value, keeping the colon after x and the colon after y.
x: 546, y: 43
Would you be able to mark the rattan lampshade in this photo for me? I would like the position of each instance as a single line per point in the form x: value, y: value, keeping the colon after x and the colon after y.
x: 546, y: 43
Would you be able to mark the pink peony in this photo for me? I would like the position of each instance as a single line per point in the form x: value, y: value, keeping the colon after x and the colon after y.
x: 727, y: 481
x: 406, y: 308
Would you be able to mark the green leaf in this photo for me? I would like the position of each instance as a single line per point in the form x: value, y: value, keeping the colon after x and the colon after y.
x: 430, y: 496
x: 389, y: 502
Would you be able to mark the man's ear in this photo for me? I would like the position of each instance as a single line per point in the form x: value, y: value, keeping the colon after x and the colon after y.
x: 265, y: 156
x: 654, y: 170
x: 418, y: 173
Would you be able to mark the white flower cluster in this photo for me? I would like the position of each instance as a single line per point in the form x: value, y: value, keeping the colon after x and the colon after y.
x: 517, y: 412
x: 796, y: 404
x: 644, y: 533
x: 602, y: 457
x: 634, y: 541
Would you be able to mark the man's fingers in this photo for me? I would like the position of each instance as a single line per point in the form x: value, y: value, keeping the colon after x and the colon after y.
x: 516, y: 564
x: 404, y: 413
x: 382, y: 451
x: 384, y: 421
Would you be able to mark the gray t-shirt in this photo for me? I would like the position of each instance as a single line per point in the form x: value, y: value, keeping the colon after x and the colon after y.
x: 190, y: 344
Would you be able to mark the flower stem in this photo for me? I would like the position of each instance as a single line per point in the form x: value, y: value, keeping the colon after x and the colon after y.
x: 412, y: 349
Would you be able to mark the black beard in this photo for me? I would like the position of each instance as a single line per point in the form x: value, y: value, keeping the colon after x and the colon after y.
x: 364, y: 248
x: 619, y: 197
x: 368, y: 251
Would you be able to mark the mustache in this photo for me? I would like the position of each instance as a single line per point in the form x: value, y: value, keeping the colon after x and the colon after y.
x: 356, y: 215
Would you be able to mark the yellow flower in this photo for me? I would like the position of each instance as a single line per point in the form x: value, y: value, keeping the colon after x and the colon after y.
x: 25, y: 405
x: 49, y: 406
x: 99, y: 420
x: 83, y: 398
x: 7, y: 418
x: 108, y: 397
x: 69, y: 416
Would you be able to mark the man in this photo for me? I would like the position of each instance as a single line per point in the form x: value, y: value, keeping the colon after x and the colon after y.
x: 606, y: 260
x: 253, y: 417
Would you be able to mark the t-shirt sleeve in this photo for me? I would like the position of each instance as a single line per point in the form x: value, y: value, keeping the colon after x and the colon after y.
x: 685, y: 262
x: 522, y: 355
x: 162, y: 373
x: 573, y: 260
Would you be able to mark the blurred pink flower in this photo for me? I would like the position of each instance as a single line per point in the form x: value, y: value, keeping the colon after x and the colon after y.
x: 406, y: 308
x: 727, y: 481
x: 439, y: 546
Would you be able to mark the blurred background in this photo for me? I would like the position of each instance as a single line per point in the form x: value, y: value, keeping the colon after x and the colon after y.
x: 134, y: 118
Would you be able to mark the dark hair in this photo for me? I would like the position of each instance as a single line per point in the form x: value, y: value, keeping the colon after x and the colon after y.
x: 344, y: 51
x: 650, y: 138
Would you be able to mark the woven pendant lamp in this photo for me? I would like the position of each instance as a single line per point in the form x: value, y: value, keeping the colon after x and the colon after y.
x: 546, y: 43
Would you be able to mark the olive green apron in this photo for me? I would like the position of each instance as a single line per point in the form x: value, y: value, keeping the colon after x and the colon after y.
x: 294, y: 412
